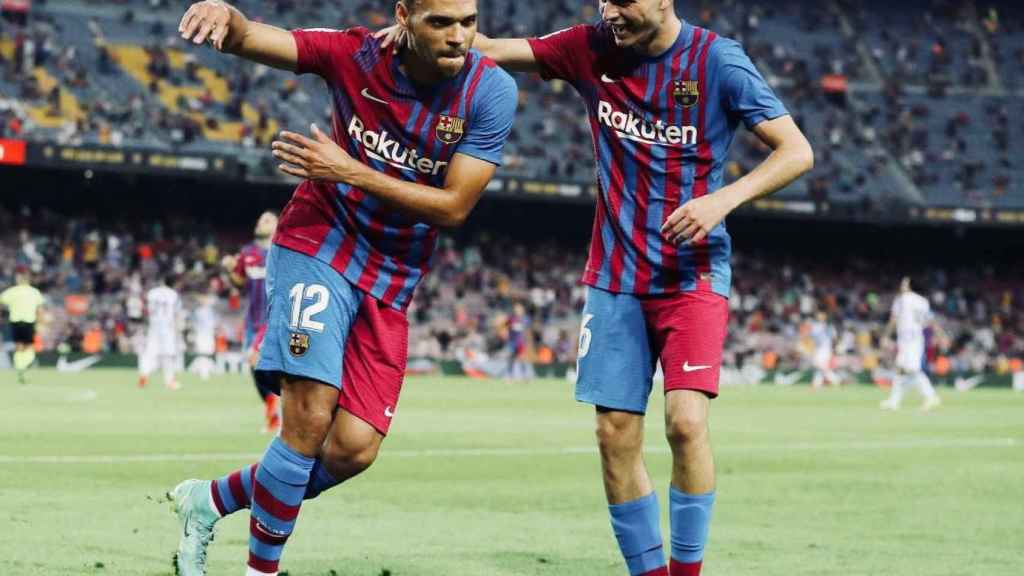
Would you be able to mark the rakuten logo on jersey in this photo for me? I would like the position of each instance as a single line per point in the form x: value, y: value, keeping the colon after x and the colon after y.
x: 637, y: 129
x: 380, y: 146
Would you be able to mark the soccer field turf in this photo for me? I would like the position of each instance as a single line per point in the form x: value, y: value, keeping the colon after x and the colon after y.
x: 489, y: 478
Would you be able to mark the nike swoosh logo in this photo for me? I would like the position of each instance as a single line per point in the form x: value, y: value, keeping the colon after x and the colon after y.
x: 688, y: 368
x: 606, y: 79
x: 388, y: 412
x: 63, y: 365
x: 366, y: 94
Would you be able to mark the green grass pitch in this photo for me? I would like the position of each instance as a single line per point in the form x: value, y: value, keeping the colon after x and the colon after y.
x: 496, y: 479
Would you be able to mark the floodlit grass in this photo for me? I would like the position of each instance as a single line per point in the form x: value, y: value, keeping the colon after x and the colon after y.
x: 489, y: 478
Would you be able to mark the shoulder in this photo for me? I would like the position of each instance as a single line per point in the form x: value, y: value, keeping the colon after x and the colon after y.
x: 492, y: 75
x: 491, y: 86
x: 325, y: 41
x: 723, y: 50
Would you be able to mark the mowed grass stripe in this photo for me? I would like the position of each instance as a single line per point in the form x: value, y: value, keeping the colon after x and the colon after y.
x: 496, y: 479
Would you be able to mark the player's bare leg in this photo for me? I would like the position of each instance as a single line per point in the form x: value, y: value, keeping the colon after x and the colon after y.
x: 692, y: 493
x: 620, y: 438
x: 686, y: 427
x: 351, y: 447
x: 632, y: 503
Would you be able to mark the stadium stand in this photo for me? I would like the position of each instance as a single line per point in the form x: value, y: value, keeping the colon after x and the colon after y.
x: 92, y: 271
x: 883, y: 105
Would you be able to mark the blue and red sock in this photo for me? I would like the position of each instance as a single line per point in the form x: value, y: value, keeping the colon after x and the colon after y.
x: 277, y: 494
x: 234, y: 491
x: 637, y: 527
x: 690, y: 516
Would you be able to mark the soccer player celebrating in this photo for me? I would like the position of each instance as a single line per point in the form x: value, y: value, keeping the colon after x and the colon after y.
x: 248, y: 270
x: 911, y: 315
x: 417, y: 136
x: 664, y: 98
x: 23, y: 302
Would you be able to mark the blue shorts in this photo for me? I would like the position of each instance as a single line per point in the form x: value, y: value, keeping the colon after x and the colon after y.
x: 311, y: 311
x: 623, y: 336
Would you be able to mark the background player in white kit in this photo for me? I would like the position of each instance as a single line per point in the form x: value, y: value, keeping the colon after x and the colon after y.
x: 163, y: 306
x: 204, y: 333
x: 823, y: 336
x: 911, y: 314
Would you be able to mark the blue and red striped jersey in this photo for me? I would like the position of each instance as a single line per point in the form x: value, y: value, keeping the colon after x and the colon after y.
x: 407, y: 131
x: 661, y: 127
x: 252, y: 266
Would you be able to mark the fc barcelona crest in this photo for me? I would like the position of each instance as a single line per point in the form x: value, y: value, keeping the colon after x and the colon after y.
x: 450, y: 130
x: 298, y: 344
x: 686, y: 93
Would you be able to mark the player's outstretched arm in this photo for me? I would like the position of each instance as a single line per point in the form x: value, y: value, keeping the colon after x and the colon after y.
x: 791, y: 157
x: 229, y: 31
x: 510, y: 53
x: 320, y: 158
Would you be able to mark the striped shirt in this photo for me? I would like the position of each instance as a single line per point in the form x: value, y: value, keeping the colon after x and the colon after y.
x: 661, y: 128
x: 252, y: 266
x: 407, y: 131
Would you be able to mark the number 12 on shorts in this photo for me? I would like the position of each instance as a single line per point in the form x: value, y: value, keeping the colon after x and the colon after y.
x: 302, y: 316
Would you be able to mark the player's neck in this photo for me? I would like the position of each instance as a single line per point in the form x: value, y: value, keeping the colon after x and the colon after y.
x: 665, y: 38
x: 421, y: 73
x: 263, y: 242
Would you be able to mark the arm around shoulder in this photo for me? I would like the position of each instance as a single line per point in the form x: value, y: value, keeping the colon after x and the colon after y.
x: 514, y: 54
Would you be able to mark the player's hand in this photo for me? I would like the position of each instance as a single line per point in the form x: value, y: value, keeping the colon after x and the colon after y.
x: 395, y: 34
x: 206, y: 21
x: 694, y: 221
x: 316, y: 158
x: 228, y: 262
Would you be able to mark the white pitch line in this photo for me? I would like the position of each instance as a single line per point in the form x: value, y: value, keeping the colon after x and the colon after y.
x: 953, y: 443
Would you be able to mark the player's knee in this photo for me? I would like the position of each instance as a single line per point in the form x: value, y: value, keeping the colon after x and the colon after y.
x: 307, y: 426
x: 618, y: 432
x: 344, y: 461
x: 686, y: 427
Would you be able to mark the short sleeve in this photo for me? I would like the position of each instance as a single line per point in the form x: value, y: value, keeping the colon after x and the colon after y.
x: 319, y: 48
x: 745, y: 93
x: 5, y: 297
x: 561, y: 54
x: 493, y: 112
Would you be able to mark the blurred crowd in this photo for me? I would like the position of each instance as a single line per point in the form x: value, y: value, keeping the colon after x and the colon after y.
x: 506, y: 305
x: 927, y: 100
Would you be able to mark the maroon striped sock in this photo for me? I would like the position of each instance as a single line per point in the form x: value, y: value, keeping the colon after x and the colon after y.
x: 234, y: 491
